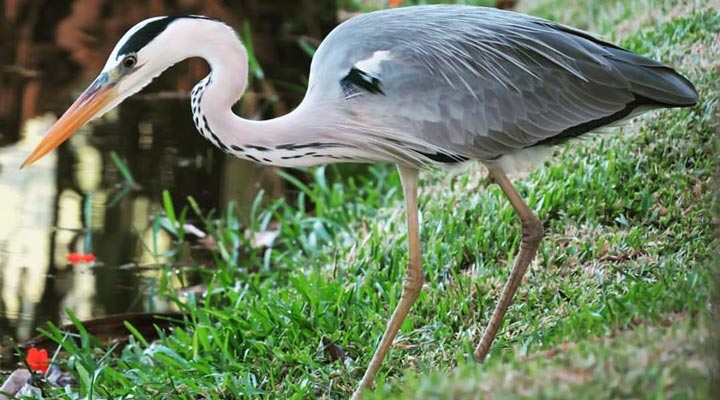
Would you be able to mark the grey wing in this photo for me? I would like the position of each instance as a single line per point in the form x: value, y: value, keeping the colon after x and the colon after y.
x: 455, y: 83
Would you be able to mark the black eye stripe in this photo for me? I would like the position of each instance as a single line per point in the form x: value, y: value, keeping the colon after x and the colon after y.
x: 149, y: 31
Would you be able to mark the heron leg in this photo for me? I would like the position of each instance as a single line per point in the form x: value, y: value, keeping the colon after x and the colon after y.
x: 532, y: 231
x: 411, y: 285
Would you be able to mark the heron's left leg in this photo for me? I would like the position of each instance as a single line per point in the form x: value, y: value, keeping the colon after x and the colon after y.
x: 413, y: 278
x: 532, y: 232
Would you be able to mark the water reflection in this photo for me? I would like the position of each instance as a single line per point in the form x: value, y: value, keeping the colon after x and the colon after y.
x: 51, y: 50
x: 48, y: 211
x: 27, y: 214
x: 61, y: 206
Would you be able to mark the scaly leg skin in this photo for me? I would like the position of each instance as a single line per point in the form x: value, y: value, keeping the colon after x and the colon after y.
x: 532, y: 231
x: 412, y: 284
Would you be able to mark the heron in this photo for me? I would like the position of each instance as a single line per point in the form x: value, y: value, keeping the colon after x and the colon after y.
x: 419, y: 87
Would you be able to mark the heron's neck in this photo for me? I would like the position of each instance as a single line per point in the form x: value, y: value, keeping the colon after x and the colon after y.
x: 291, y: 140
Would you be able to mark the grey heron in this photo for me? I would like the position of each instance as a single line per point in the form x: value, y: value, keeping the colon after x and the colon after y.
x: 417, y: 87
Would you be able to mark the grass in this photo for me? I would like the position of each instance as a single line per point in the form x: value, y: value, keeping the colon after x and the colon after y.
x: 612, y: 307
x: 646, y: 362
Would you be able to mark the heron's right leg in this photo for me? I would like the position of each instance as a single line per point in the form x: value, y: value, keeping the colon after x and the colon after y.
x: 412, y: 284
x: 532, y: 232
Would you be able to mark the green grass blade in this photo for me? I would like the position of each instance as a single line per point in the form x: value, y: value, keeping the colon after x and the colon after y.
x: 123, y: 168
x: 169, y: 208
x: 136, y: 333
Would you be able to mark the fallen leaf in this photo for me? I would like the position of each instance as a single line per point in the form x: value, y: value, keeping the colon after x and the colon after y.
x: 333, y: 352
x: 37, y: 359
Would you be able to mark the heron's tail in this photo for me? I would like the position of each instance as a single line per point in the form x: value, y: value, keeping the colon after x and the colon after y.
x: 653, y: 81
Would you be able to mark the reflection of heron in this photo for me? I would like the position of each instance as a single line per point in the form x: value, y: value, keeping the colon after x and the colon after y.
x: 416, y: 86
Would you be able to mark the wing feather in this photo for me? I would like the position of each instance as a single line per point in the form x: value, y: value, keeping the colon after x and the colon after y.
x: 481, y: 83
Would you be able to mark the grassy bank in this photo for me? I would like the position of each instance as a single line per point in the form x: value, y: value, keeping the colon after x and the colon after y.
x: 613, y: 305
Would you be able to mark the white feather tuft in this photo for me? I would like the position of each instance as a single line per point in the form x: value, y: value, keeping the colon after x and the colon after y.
x: 524, y: 159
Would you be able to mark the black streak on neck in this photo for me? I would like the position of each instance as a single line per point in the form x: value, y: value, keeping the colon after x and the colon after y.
x: 301, y: 146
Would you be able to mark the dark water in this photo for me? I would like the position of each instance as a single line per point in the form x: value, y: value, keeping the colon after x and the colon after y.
x: 64, y: 205
x: 76, y: 200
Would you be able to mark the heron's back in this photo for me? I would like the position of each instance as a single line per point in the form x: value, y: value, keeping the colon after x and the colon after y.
x: 449, y: 83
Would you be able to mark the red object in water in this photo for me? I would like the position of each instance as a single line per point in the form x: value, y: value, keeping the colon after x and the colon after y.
x: 76, y: 258
x: 38, y: 360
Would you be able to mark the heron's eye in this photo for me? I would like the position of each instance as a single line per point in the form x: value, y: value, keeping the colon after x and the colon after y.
x: 129, y: 61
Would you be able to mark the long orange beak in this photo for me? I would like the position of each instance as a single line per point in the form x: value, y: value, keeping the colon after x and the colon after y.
x: 93, y: 99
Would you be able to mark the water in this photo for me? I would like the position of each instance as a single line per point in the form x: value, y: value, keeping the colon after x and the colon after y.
x: 64, y: 205
x: 76, y: 200
x: 61, y: 206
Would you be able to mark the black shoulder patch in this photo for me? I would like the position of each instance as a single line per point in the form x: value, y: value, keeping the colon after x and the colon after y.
x: 149, y: 32
x: 359, y: 79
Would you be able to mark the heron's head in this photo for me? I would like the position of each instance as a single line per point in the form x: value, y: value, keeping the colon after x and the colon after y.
x: 142, y: 54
